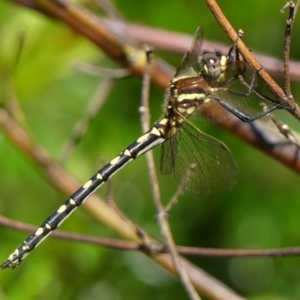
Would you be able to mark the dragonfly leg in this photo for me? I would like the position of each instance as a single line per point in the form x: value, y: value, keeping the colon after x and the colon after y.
x: 242, y: 116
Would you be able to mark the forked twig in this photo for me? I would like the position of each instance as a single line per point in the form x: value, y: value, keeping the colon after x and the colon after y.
x: 162, y: 216
x: 283, y: 128
x: 180, y: 189
x: 154, y: 248
x: 293, y: 9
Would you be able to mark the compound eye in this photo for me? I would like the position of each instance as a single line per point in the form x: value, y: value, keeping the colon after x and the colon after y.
x: 211, y: 64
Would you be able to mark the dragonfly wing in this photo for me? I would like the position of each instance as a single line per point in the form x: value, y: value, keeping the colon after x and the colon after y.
x: 203, y: 165
x: 169, y: 155
x: 234, y: 89
x: 249, y: 105
x: 189, y: 65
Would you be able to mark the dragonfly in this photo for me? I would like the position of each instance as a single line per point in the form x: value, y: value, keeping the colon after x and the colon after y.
x: 201, y: 164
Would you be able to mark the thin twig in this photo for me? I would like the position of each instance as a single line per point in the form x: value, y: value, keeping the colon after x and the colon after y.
x: 80, y: 128
x: 287, y: 45
x: 154, y: 248
x: 106, y: 242
x: 174, y: 199
x: 180, y: 189
x: 161, y: 214
x: 283, y: 128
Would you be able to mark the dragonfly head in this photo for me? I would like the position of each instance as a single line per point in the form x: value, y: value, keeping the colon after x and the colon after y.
x: 213, y: 64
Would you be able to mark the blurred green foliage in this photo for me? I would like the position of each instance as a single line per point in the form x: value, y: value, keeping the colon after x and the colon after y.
x: 261, y: 211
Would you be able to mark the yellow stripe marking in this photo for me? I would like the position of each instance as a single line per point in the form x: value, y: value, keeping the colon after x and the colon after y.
x: 181, y: 110
x: 13, y: 254
x: 24, y: 255
x: 62, y: 208
x: 72, y: 202
x: 223, y: 60
x: 48, y: 226
x: 190, y: 110
x: 155, y: 131
x: 115, y: 160
x: 99, y: 176
x: 25, y: 247
x: 39, y: 231
x: 193, y: 96
x: 164, y: 121
x: 142, y: 138
x: 87, y: 184
x: 127, y: 153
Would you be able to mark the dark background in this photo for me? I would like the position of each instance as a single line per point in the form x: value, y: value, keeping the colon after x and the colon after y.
x: 261, y: 211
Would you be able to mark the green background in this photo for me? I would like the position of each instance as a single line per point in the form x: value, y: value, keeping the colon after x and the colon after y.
x: 261, y: 211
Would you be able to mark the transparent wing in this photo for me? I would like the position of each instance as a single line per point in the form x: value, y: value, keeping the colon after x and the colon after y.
x: 234, y: 89
x: 246, y: 105
x: 201, y: 164
x: 169, y: 155
x: 189, y: 65
x: 212, y: 112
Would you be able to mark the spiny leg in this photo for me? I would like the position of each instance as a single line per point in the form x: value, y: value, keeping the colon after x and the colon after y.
x: 149, y: 140
x: 242, y: 116
x: 251, y: 90
x: 234, y: 57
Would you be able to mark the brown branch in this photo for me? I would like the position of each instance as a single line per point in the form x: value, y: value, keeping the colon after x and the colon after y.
x: 179, y: 42
x: 286, y: 49
x: 175, y: 42
x: 154, y: 248
x: 162, y: 217
x: 287, y: 45
x: 114, y: 45
x: 106, y: 242
x: 283, y: 99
